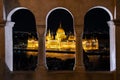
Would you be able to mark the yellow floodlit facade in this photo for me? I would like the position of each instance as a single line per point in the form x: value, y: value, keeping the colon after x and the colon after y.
x: 60, y: 34
x: 32, y: 44
x: 61, y: 42
x: 90, y: 44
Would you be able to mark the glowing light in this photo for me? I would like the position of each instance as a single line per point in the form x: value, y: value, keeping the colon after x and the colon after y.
x: 61, y: 41
x: 32, y: 44
x: 90, y: 44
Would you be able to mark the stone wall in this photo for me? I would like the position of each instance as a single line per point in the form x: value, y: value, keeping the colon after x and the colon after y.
x: 1, y: 11
x: 40, y: 8
x: 117, y: 23
x: 2, y: 51
x: 118, y: 9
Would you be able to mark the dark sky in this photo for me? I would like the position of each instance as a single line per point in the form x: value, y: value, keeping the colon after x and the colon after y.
x: 60, y: 16
x: 96, y: 20
x: 24, y: 21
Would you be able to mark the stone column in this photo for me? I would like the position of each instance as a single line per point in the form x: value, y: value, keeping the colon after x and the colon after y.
x: 79, y: 52
x: 112, y: 45
x: 41, y: 69
x: 117, y: 23
x: 9, y: 44
x: 41, y: 49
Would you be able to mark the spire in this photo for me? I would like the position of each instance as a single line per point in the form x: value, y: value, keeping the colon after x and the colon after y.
x: 49, y: 33
x: 60, y: 25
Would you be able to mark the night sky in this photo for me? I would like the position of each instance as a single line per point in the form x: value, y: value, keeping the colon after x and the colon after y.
x: 96, y: 21
x: 60, y: 16
x: 24, y: 21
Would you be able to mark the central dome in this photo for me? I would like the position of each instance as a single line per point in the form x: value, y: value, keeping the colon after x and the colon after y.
x: 60, y: 34
x: 60, y: 30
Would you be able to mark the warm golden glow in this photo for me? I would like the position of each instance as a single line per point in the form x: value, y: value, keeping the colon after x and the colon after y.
x: 60, y: 34
x: 90, y: 44
x: 61, y: 42
x: 64, y: 56
x: 49, y: 36
x: 32, y: 44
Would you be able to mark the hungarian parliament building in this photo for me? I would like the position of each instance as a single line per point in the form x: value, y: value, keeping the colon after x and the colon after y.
x: 63, y: 42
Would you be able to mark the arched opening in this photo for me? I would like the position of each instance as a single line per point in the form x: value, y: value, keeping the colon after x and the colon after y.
x: 60, y: 40
x: 97, y: 40
x: 22, y: 56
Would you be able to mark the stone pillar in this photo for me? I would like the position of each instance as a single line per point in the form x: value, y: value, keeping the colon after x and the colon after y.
x: 41, y: 66
x: 9, y: 44
x: 79, y: 52
x: 112, y: 46
x: 41, y: 49
x: 117, y: 23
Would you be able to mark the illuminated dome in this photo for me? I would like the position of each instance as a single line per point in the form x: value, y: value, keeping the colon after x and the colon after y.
x: 60, y: 30
x: 60, y: 34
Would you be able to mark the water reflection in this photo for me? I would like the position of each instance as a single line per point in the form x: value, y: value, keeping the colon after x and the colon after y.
x: 25, y: 51
x: 23, y: 61
x: 60, y: 61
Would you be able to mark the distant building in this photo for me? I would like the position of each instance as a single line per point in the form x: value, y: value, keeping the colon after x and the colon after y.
x: 61, y: 42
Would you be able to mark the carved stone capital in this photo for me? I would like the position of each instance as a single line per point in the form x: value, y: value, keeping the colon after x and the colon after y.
x: 41, y: 30
x: 78, y: 30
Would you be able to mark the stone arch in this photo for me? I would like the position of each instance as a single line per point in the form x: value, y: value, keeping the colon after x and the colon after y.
x: 9, y: 35
x: 58, y: 8
x: 59, y: 21
x: 111, y: 29
x: 104, y: 8
x: 13, y: 11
